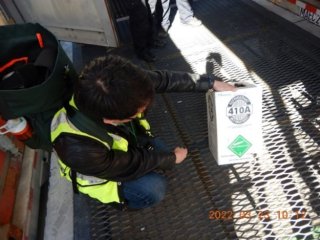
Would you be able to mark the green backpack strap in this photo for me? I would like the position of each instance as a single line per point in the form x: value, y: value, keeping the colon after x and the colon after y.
x: 85, y: 124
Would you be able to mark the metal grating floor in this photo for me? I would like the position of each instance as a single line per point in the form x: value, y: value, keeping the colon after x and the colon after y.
x: 274, y: 197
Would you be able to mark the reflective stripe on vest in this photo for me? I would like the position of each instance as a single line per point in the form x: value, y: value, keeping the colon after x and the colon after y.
x: 144, y: 123
x: 101, y: 189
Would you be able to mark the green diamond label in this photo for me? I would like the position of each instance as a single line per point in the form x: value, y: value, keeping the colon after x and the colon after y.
x: 240, y: 146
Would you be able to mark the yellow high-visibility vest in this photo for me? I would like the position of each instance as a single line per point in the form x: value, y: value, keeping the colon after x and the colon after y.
x: 101, y: 189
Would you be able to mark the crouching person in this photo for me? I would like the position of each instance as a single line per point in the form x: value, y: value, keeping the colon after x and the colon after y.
x: 104, y: 143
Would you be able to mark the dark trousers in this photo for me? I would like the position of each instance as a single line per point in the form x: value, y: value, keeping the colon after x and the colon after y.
x: 156, y: 9
x: 141, y: 23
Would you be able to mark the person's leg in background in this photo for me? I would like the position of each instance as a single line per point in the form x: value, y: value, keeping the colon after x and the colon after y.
x: 156, y: 15
x: 186, y: 13
x: 141, y: 28
x: 165, y: 23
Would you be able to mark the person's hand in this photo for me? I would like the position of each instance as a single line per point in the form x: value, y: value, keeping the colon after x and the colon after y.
x: 223, y: 86
x: 181, y: 154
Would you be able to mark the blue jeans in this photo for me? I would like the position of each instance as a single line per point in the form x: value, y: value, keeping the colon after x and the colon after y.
x: 145, y: 191
x: 149, y: 189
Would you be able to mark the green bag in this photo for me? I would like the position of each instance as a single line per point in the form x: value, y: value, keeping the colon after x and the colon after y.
x: 36, y: 78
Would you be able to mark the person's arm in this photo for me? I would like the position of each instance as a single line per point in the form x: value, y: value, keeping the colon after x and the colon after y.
x: 174, y: 81
x: 90, y: 157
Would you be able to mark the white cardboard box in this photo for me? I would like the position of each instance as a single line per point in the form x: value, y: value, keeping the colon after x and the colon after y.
x: 235, y: 124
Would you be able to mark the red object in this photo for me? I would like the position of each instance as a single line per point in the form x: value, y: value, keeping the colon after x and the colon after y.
x: 311, y: 8
x: 22, y: 132
x: 8, y: 195
x: 15, y: 233
x: 25, y: 134
x: 12, y: 62
x: 2, y: 158
x: 2, y: 121
x: 40, y: 40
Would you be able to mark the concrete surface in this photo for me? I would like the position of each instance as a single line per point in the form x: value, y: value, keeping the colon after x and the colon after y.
x: 59, y: 219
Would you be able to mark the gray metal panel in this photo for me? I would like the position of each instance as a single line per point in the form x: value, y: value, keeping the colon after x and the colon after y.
x: 79, y: 21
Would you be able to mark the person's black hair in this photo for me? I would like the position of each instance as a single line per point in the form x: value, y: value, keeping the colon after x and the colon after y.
x: 113, y: 88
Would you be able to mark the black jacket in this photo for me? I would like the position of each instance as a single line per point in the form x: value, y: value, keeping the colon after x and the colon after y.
x: 90, y: 157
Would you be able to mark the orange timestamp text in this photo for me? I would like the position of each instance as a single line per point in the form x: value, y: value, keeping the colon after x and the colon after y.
x: 261, y: 215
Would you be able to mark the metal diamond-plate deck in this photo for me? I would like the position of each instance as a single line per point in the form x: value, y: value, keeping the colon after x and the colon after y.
x: 273, y: 197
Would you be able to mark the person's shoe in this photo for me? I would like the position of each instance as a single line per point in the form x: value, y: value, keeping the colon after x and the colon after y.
x: 146, y: 56
x: 163, y: 34
x: 158, y: 43
x: 193, y: 22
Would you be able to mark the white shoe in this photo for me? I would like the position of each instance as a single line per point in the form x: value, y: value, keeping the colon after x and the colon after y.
x: 193, y: 22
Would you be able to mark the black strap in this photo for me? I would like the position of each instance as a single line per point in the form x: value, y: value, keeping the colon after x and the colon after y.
x: 74, y: 181
x: 85, y: 124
